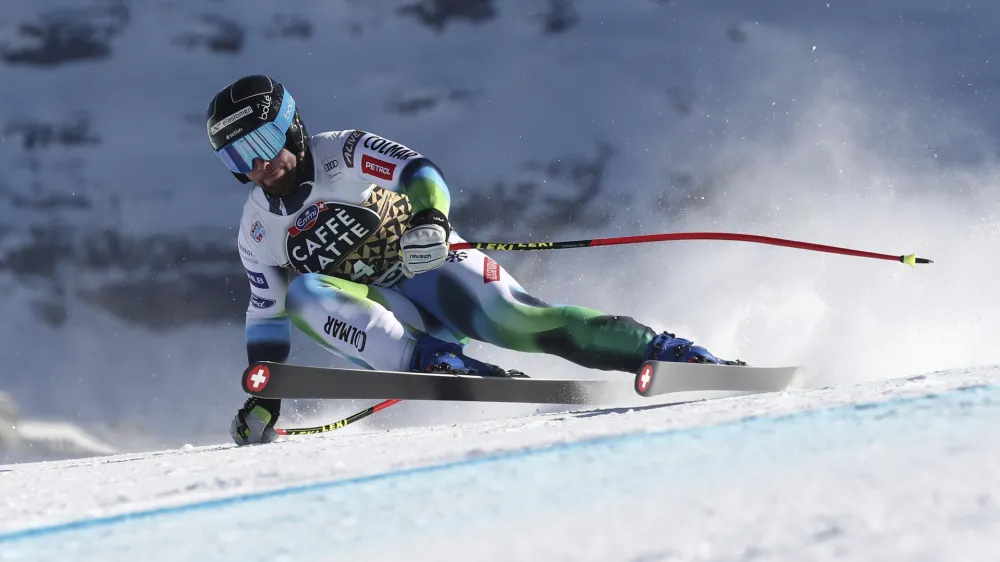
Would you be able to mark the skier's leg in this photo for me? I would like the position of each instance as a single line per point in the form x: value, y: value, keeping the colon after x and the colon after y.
x: 372, y: 327
x: 473, y: 295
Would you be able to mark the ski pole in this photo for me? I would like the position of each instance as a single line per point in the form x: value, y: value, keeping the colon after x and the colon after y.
x: 337, y: 425
x: 909, y: 259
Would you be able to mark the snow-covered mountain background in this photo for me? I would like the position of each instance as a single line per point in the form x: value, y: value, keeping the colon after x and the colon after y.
x: 860, y: 124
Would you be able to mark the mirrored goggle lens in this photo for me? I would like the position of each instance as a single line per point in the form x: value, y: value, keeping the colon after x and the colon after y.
x: 264, y: 143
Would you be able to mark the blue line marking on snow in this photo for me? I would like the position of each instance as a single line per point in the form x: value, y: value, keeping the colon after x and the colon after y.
x: 102, y: 522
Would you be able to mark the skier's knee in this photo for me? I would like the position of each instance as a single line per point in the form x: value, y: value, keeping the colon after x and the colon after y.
x: 311, y: 287
x: 304, y: 289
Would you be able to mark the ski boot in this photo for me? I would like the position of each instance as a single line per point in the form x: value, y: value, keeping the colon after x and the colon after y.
x: 667, y: 347
x: 431, y: 355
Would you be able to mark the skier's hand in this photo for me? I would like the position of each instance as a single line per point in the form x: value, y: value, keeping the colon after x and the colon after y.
x: 424, y: 245
x: 254, y: 422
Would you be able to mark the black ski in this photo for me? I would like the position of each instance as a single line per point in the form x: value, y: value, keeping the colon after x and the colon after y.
x: 281, y: 380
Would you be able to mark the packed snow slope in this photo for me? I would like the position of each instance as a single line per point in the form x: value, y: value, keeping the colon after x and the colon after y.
x: 903, y: 469
x: 868, y: 125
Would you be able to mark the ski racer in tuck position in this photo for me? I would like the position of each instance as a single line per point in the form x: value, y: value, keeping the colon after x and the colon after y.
x: 345, y: 234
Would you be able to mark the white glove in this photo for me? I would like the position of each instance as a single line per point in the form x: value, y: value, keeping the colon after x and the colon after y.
x: 424, y: 245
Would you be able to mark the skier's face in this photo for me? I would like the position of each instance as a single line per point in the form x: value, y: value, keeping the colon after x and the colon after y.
x: 276, y: 177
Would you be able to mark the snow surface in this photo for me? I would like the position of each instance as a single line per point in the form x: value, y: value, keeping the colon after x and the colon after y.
x: 890, y: 470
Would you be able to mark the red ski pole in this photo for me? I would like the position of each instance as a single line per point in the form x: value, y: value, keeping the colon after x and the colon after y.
x: 337, y: 425
x: 909, y: 259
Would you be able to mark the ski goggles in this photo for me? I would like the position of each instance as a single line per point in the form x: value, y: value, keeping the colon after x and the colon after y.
x: 264, y: 142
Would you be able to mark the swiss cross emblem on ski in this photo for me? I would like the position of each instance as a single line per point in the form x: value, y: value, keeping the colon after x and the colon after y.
x: 644, y: 379
x: 258, y: 377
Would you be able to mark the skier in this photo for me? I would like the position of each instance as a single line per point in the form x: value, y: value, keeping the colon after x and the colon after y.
x: 345, y: 234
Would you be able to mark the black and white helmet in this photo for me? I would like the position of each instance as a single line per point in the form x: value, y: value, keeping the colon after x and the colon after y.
x: 255, y: 117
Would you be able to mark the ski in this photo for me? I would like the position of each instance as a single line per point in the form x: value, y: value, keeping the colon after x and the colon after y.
x: 281, y: 380
x: 286, y: 381
x: 659, y: 377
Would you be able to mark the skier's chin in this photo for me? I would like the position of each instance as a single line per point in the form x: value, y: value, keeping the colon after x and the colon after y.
x: 280, y: 184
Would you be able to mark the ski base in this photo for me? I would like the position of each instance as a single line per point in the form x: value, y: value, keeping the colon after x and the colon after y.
x: 658, y: 377
x: 285, y: 381
x: 282, y: 380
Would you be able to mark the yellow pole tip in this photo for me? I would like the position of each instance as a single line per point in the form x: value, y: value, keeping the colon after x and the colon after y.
x: 910, y: 260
